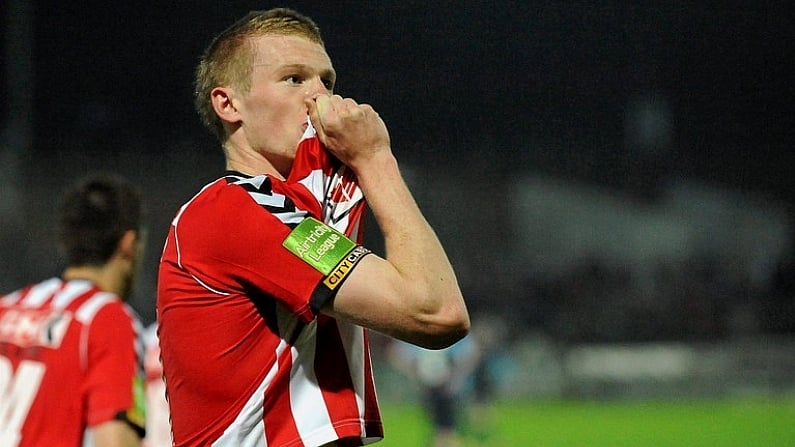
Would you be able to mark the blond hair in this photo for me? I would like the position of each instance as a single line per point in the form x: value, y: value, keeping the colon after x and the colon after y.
x: 228, y: 60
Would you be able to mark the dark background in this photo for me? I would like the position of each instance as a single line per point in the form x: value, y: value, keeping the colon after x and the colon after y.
x: 499, y: 87
x: 556, y: 73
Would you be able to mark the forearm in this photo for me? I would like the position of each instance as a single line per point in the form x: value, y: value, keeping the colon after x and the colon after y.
x: 427, y: 279
x: 413, y: 293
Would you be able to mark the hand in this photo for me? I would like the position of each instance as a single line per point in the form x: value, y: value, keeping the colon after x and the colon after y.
x: 353, y: 132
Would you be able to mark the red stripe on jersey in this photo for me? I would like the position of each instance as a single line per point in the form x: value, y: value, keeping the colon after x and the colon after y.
x: 280, y: 428
x: 371, y: 413
x: 338, y: 387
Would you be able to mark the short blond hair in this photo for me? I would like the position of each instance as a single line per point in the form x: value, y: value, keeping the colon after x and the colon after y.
x: 228, y: 61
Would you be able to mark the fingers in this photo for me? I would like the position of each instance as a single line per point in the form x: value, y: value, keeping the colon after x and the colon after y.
x: 331, y: 110
x: 314, y: 117
x: 319, y: 109
x: 323, y: 103
x: 348, y: 129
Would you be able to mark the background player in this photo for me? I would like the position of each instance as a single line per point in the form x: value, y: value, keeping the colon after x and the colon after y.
x: 70, y: 348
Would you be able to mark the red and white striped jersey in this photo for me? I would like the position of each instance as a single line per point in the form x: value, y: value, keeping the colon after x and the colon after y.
x: 248, y: 359
x: 71, y: 357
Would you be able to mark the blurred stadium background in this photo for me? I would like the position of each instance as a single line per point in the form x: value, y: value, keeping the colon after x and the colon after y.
x: 613, y: 180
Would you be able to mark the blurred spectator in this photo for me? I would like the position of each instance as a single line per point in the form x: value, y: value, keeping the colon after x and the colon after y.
x: 490, y: 336
x: 442, y: 375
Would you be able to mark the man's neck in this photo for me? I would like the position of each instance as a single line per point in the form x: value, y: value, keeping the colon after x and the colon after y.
x: 101, y: 276
x: 249, y: 162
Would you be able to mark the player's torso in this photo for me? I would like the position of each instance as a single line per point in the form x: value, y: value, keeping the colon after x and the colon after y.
x: 247, y: 339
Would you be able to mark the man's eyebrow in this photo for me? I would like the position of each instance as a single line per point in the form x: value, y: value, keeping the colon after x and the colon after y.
x: 329, y: 73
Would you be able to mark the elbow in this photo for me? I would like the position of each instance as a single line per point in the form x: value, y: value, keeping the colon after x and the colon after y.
x: 446, y: 328
x: 445, y: 339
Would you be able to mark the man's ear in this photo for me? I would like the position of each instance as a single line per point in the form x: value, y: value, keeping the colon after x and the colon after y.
x: 221, y: 98
x: 127, y: 247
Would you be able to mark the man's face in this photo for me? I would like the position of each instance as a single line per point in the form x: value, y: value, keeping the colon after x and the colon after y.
x: 287, y: 69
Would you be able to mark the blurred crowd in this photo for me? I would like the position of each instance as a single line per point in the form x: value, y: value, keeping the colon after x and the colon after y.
x: 701, y: 299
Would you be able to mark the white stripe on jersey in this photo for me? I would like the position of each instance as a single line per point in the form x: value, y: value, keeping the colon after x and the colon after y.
x: 248, y: 428
x: 314, y: 425
x: 291, y: 218
x: 200, y: 282
x: 272, y: 199
x: 314, y: 182
x: 85, y: 314
x: 90, y: 308
x: 140, y: 343
x: 310, y: 130
x: 352, y: 337
x: 72, y: 290
x: 41, y: 292
x: 256, y: 181
x: 10, y: 298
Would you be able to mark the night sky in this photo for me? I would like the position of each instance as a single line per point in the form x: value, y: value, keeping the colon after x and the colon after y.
x: 516, y: 85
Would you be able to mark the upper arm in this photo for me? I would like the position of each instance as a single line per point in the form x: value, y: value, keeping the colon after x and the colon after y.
x: 376, y: 296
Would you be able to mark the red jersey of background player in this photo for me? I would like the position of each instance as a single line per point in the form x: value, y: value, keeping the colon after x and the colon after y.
x: 70, y: 358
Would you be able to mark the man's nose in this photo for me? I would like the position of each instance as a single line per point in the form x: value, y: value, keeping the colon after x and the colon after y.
x: 316, y: 88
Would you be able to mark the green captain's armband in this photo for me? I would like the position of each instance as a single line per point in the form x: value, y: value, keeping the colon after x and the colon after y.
x: 318, y: 245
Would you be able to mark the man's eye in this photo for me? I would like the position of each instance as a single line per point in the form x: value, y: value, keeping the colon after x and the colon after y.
x: 295, y: 79
x: 329, y: 84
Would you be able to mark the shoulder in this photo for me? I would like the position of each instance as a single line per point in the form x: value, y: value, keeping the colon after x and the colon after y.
x: 105, y: 305
x: 236, y: 193
x: 216, y: 206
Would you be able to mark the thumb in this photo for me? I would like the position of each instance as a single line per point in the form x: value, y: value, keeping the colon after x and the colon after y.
x: 313, y: 110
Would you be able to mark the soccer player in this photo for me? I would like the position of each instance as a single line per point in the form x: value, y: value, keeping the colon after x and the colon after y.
x: 71, y: 366
x: 265, y: 294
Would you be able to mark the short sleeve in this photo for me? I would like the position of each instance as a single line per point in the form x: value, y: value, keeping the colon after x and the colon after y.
x: 114, y: 379
x: 233, y: 245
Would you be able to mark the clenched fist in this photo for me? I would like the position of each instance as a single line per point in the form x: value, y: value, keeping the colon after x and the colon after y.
x: 352, y: 132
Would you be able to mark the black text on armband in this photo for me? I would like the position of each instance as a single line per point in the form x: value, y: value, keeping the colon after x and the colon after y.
x: 341, y: 270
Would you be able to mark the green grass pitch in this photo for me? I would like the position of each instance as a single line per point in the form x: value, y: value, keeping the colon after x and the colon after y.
x: 755, y: 422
